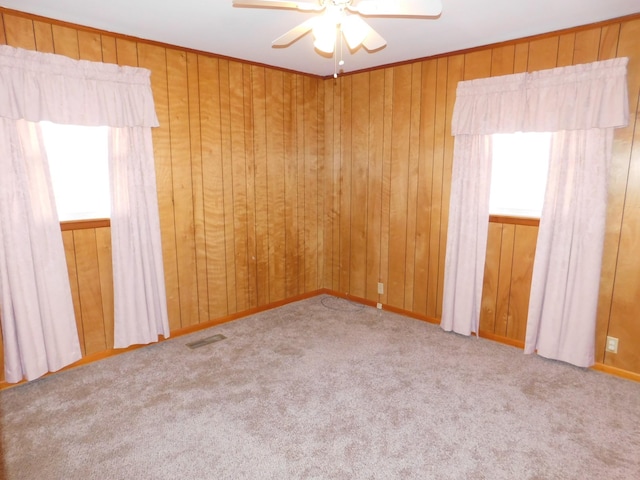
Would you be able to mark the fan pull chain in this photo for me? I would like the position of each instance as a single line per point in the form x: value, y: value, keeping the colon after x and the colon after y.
x: 341, y: 62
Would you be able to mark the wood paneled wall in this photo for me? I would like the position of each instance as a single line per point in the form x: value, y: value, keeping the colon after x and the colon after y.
x: 273, y: 184
x: 240, y: 182
x: 388, y: 178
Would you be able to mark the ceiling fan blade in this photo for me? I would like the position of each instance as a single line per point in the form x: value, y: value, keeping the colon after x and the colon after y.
x: 355, y: 30
x: 373, y: 41
x: 303, y: 6
x: 399, y: 8
x: 295, y: 33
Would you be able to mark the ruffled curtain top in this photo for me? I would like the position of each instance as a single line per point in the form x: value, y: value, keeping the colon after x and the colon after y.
x: 43, y: 86
x: 577, y: 97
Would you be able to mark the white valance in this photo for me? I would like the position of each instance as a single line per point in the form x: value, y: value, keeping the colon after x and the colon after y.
x: 43, y: 86
x: 578, y: 97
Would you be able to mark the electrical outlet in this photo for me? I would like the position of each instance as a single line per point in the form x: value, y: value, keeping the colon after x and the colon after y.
x: 379, y: 306
x: 380, y: 288
x: 612, y: 344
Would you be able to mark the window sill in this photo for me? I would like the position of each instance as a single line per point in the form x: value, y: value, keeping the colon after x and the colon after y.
x: 84, y: 224
x: 532, y: 222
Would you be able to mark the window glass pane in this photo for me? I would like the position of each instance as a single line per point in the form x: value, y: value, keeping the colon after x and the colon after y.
x: 519, y: 173
x: 79, y: 170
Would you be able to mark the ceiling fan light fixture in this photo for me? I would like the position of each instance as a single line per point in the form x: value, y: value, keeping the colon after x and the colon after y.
x: 324, y: 35
x: 355, y: 30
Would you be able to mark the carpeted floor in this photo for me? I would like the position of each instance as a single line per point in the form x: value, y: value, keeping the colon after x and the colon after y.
x: 323, y: 389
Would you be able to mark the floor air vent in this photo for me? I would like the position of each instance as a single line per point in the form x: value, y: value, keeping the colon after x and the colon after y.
x: 206, y: 341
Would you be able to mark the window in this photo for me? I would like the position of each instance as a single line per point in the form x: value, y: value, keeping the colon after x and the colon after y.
x: 78, y: 161
x: 519, y: 173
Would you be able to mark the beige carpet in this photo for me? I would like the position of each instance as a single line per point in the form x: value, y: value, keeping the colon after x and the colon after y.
x: 323, y: 389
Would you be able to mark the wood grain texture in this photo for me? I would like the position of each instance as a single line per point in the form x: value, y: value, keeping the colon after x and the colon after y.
x: 182, y: 187
x: 524, y: 248
x: 424, y: 186
x: 89, y: 290
x: 273, y: 184
x: 489, y: 301
x: 626, y: 279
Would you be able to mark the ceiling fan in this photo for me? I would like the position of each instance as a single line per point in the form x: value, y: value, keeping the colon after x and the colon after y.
x: 344, y: 16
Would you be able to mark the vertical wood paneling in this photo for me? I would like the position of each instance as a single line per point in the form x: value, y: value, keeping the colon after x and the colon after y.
x: 374, y: 180
x: 19, y: 32
x: 524, y: 248
x: 297, y: 157
x: 412, y: 194
x: 227, y: 180
x: 238, y: 191
x: 275, y: 114
x: 455, y: 72
x: 260, y: 183
x: 521, y: 58
x: 346, y: 127
x: 213, y: 189
x: 197, y: 183
x: 400, y: 128
x: 291, y: 194
x: 385, y: 233
x: 625, y: 308
x: 436, y: 187
x: 181, y: 177
x: 543, y: 54
x: 586, y: 46
x: 310, y: 181
x: 65, y: 41
x: 422, y: 257
x: 609, y: 41
x: 504, y: 279
x: 359, y: 208
x: 336, y: 178
x: 489, y: 301
x: 89, y: 46
x: 70, y: 255
x: 252, y: 262
x: 566, y: 44
x: 103, y: 250
x: 110, y: 54
x: 272, y: 184
x: 3, y: 41
x: 43, y: 37
x: 89, y: 290
x: 328, y: 183
x: 127, y: 52
x: 502, y: 60
x: 155, y: 59
x: 478, y: 64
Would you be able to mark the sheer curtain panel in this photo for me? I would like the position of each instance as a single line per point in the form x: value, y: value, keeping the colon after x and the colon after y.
x: 38, y: 322
x: 581, y: 105
x: 137, y: 253
x: 467, y: 234
x: 35, y: 87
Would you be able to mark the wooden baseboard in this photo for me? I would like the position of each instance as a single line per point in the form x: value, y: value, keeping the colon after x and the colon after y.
x: 235, y: 316
x: 87, y: 359
x: 618, y: 372
x: 388, y: 308
x: 500, y: 339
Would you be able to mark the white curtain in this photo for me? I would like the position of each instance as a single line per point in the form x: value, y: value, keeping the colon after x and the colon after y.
x: 36, y: 87
x: 579, y: 103
x: 467, y: 233
x: 566, y: 274
x: 38, y: 322
x: 139, y: 290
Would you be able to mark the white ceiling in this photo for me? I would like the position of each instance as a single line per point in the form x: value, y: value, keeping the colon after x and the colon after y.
x: 217, y: 27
